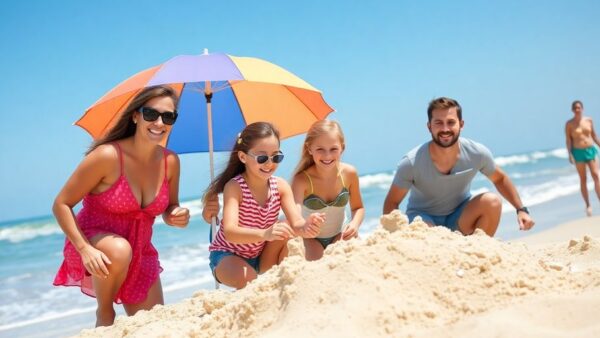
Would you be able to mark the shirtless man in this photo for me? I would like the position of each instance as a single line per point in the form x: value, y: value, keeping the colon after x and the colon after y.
x: 580, y: 144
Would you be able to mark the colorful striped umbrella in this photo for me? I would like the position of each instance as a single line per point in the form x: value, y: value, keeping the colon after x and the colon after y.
x: 243, y: 89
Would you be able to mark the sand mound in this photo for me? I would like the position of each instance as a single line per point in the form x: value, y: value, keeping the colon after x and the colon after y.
x: 403, y: 280
x: 578, y: 255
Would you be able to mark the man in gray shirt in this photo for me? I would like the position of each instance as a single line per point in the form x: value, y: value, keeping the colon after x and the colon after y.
x: 439, y: 173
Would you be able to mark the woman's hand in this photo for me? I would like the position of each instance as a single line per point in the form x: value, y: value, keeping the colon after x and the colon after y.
x: 95, y: 261
x: 177, y: 216
x: 278, y: 232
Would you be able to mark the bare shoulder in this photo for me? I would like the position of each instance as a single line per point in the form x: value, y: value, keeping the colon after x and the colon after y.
x: 102, y: 162
x: 348, y: 170
x: 282, y: 184
x: 105, y: 151
x: 232, y: 184
x: 299, y: 179
x: 172, y: 158
x: 105, y: 154
x: 232, y: 188
x: 299, y: 184
x: 569, y: 123
x: 283, y: 187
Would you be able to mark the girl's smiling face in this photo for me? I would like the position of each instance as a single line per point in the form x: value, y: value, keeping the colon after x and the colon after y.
x: 268, y: 146
x: 326, y: 150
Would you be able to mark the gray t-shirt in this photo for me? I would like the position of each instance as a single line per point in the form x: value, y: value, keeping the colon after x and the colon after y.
x: 433, y: 192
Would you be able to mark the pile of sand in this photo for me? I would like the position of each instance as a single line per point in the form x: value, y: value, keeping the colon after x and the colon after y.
x: 403, y: 280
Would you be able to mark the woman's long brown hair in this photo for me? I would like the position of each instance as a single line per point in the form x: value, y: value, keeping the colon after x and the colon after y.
x: 125, y: 126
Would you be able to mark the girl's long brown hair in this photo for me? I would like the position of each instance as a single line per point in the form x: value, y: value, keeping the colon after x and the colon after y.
x: 125, y: 126
x: 317, y: 129
x: 246, y: 140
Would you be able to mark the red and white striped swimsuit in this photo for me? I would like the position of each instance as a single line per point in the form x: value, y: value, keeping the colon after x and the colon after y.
x: 251, y: 215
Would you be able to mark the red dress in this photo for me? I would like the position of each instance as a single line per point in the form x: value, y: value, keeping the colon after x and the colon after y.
x: 117, y: 211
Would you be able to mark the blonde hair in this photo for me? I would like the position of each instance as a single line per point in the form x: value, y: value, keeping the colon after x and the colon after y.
x: 317, y: 129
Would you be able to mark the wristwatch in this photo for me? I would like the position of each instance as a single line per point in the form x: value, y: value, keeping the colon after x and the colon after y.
x: 524, y: 209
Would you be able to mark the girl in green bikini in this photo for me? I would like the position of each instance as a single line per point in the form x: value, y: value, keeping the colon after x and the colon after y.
x: 581, y: 137
x: 322, y: 183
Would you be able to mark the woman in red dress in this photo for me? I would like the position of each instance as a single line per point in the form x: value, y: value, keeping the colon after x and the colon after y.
x: 125, y: 180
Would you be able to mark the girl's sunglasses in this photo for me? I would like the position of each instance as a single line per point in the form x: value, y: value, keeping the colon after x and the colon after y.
x: 151, y: 115
x: 262, y: 159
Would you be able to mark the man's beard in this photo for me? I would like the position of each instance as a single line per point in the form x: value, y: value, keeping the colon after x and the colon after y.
x: 436, y: 139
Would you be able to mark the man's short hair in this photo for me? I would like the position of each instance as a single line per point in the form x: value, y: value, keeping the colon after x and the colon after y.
x: 444, y: 103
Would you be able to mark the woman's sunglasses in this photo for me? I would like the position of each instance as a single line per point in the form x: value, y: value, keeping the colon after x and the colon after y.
x: 151, y: 115
x: 262, y: 159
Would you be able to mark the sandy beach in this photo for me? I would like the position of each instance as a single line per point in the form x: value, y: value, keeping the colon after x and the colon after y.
x: 589, y: 226
x: 405, y: 281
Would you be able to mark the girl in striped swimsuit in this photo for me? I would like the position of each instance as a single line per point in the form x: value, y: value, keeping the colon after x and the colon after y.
x: 322, y: 183
x: 250, y: 240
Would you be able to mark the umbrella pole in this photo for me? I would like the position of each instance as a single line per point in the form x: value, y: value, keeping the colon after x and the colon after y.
x: 208, y: 95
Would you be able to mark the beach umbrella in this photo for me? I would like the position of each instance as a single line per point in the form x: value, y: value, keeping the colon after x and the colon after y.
x: 219, y: 95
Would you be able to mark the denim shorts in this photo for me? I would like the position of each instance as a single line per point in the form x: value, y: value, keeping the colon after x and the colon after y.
x: 450, y: 221
x: 216, y: 257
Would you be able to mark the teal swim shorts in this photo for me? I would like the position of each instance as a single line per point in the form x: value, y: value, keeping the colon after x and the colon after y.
x: 585, y: 154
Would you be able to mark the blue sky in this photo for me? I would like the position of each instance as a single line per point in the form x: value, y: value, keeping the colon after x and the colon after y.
x: 515, y: 66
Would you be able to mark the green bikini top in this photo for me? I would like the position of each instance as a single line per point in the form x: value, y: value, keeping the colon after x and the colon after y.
x: 315, y: 202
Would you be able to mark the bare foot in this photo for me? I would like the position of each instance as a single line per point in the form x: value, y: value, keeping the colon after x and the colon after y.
x: 105, y: 317
x: 588, y: 211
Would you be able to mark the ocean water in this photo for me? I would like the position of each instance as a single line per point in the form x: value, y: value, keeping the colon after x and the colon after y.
x: 31, y: 250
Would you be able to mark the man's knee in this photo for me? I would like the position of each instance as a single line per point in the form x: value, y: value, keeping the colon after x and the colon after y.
x: 491, y: 201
